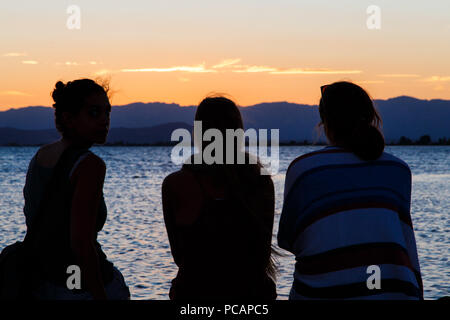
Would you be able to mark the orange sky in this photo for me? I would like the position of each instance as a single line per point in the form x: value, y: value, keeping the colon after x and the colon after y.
x: 260, y: 51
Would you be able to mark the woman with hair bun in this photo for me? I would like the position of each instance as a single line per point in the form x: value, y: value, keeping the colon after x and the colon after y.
x: 346, y: 212
x: 64, y: 204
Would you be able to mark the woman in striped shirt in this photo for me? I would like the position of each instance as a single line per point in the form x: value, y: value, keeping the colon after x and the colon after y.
x: 346, y: 213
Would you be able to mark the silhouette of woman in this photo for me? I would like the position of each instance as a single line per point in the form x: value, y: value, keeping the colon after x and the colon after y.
x: 219, y: 220
x: 64, y: 204
x: 346, y: 213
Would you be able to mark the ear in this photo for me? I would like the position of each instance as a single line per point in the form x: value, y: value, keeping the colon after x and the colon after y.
x: 67, y: 119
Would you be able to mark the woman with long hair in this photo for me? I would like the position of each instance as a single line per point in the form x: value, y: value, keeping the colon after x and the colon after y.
x: 346, y: 212
x: 64, y: 204
x: 219, y: 218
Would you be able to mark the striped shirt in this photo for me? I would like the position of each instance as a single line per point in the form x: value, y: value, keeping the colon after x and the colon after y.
x: 341, y: 215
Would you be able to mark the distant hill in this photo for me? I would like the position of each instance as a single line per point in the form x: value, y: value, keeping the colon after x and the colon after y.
x: 151, y: 135
x: 402, y: 116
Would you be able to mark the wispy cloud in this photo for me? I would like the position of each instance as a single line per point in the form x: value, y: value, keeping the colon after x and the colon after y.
x: 314, y: 71
x: 437, y: 79
x: 13, y: 93
x: 29, y: 62
x: 399, y: 75
x: 233, y: 66
x: 195, y: 69
x: 274, y: 70
x: 68, y: 63
x: 102, y: 72
x: 252, y: 69
x: 226, y: 63
x: 15, y: 54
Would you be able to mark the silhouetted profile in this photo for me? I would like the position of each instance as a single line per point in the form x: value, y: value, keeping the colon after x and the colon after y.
x: 346, y: 213
x: 64, y: 204
x: 219, y: 220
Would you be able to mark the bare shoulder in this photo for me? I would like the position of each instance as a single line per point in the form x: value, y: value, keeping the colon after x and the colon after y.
x: 178, y: 179
x: 48, y: 155
x: 92, y: 162
x: 91, y: 168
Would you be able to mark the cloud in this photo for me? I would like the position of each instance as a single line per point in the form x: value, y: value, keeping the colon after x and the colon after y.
x: 195, y: 69
x: 226, y: 63
x: 399, y: 75
x: 233, y: 66
x: 13, y: 93
x: 314, y: 71
x: 274, y: 70
x: 437, y: 79
x: 67, y: 63
x: 15, y: 54
x: 29, y: 62
x: 103, y: 72
x: 252, y: 69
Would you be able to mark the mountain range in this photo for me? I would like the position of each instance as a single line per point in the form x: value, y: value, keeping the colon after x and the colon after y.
x: 150, y: 123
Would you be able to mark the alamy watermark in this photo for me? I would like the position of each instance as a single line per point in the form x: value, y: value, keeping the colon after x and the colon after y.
x: 74, y: 20
x: 373, y: 21
x: 374, y: 281
x: 229, y: 149
x: 74, y: 280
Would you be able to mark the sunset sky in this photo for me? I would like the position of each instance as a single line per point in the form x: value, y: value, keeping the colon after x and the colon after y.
x: 256, y: 51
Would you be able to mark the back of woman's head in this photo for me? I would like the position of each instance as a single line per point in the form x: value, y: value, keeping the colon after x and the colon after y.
x: 222, y: 114
x: 70, y: 97
x: 350, y: 120
x: 218, y: 112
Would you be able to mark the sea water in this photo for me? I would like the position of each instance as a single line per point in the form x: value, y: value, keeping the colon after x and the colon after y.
x: 134, y: 237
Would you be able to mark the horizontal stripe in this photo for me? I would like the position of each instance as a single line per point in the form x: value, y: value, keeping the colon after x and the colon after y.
x: 356, y: 289
x: 388, y: 296
x: 294, y: 213
x: 347, y: 170
x: 358, y: 274
x: 354, y: 256
x: 315, y: 153
x: 326, y: 157
x: 381, y: 296
x: 345, y: 193
x: 347, y: 228
x: 403, y: 216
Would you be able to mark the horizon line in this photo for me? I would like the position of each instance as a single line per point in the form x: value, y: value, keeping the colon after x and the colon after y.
x: 252, y: 105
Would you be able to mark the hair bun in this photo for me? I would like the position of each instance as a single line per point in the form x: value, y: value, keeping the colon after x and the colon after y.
x: 59, y: 85
x: 58, y: 92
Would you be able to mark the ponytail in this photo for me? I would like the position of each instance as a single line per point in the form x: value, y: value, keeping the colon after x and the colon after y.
x: 366, y: 142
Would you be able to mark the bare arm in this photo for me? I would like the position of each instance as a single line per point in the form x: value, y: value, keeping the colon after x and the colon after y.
x: 181, y: 200
x: 88, y: 178
x: 169, y: 218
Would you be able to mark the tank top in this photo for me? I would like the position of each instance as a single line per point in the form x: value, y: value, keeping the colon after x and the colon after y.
x: 221, y: 257
x: 48, y: 197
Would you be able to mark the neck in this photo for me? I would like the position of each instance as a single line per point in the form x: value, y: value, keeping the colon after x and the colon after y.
x: 68, y: 142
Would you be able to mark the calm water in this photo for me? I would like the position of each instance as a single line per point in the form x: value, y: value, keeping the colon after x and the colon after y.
x: 135, y: 240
